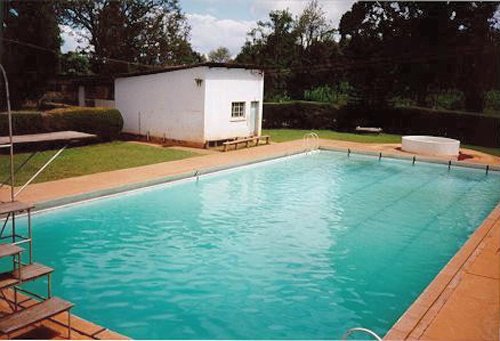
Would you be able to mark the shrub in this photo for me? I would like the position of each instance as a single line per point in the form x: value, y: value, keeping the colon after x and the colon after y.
x: 400, y: 101
x: 23, y: 122
x: 279, y: 98
x: 450, y: 99
x: 493, y: 102
x: 105, y: 122
x: 325, y: 94
x: 300, y: 115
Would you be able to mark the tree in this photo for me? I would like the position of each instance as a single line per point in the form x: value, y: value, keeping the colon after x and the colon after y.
x: 75, y: 63
x: 220, y: 55
x: 317, y: 48
x: 153, y: 32
x: 293, y: 47
x: 476, y: 70
x: 29, y: 49
x: 312, y: 26
x: 413, y: 47
x: 273, y: 44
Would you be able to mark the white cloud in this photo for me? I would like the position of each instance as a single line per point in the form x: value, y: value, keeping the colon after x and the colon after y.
x: 209, y: 32
x: 334, y: 9
x: 70, y: 39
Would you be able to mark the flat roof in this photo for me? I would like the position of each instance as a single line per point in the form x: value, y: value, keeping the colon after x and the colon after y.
x: 191, y: 66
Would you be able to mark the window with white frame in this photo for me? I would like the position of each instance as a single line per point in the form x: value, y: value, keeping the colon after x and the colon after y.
x: 238, y: 110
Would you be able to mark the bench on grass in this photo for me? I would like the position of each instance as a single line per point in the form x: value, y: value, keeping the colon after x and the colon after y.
x: 246, y: 141
x: 35, y: 314
x: 370, y: 130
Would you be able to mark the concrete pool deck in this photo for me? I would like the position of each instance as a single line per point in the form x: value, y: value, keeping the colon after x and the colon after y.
x: 461, y: 303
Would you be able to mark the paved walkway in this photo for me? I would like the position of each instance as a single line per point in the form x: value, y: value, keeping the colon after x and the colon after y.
x: 462, y: 303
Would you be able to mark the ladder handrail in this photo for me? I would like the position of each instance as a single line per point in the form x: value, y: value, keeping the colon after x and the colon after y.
x: 361, y: 330
x: 11, y: 139
x: 311, y: 138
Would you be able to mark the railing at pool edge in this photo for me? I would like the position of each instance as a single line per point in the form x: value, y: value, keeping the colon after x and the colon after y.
x: 361, y: 330
x: 311, y: 142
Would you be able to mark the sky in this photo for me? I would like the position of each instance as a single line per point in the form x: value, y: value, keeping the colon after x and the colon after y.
x: 216, y: 23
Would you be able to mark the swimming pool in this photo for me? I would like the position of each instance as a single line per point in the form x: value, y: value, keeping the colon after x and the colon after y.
x: 304, y: 247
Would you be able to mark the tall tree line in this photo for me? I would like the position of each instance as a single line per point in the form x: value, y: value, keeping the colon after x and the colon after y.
x: 383, y: 49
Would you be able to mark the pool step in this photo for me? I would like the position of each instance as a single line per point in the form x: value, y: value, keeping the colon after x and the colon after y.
x: 34, y: 314
x: 28, y: 273
x: 7, y: 250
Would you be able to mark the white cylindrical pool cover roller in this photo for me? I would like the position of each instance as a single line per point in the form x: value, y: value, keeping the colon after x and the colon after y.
x: 431, y: 145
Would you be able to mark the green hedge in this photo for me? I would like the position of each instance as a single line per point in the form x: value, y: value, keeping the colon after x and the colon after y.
x: 104, y: 122
x: 469, y: 128
x: 23, y: 122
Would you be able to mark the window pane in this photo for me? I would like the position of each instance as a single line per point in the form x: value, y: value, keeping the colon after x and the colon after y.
x: 237, y: 109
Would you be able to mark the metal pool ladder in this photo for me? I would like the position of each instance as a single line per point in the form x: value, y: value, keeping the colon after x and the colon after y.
x: 360, y: 330
x: 311, y: 141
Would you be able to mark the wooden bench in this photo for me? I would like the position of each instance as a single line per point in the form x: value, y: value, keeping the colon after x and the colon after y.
x: 34, y: 314
x: 371, y: 130
x: 246, y: 141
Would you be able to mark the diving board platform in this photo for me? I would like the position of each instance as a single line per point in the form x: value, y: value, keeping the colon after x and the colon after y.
x: 15, y: 207
x: 56, y: 136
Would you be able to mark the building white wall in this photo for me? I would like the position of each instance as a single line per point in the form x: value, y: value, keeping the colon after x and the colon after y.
x: 164, y: 104
x: 81, y: 96
x: 173, y: 104
x: 227, y: 85
x: 104, y: 103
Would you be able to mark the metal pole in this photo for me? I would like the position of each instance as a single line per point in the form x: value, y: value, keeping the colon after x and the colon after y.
x: 30, y: 236
x: 40, y: 170
x: 11, y: 140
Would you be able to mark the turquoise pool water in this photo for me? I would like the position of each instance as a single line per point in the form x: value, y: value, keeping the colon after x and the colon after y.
x: 301, y: 248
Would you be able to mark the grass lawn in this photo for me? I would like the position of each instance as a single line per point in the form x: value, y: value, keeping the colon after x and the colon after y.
x: 282, y: 135
x: 487, y: 150
x: 90, y: 159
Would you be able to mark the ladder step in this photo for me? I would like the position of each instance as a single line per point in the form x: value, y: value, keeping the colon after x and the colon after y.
x: 9, y: 250
x: 34, y: 314
x: 28, y: 273
x: 15, y: 207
